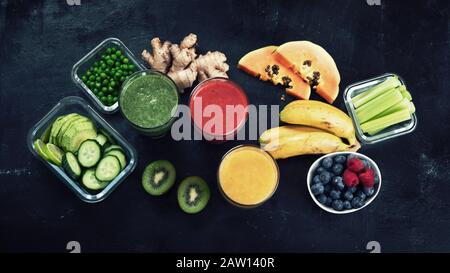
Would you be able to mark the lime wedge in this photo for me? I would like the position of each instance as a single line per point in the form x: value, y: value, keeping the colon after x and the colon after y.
x: 54, y: 154
x: 40, y: 147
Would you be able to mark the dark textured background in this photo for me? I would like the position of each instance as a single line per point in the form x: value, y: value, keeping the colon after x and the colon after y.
x: 41, y: 40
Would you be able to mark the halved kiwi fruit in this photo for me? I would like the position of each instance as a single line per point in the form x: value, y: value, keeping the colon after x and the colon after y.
x: 193, y: 194
x: 158, y: 177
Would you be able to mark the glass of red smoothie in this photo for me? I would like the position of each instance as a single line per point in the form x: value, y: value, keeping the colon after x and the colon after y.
x: 219, y: 108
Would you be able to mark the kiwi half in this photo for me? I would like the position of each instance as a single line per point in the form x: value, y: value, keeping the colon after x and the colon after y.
x: 158, y: 177
x: 193, y: 194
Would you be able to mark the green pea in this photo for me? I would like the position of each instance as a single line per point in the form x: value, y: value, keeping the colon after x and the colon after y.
x: 112, y: 83
x: 103, y: 75
x: 110, y: 62
x: 125, y: 60
x: 103, y: 66
x: 103, y: 98
x: 96, y: 64
x: 108, y: 50
x: 113, y: 49
x: 110, y: 89
x: 95, y: 90
x: 98, y: 79
x: 118, y: 53
x: 103, y: 56
x: 122, y: 79
x: 98, y: 85
x: 84, y: 78
x: 104, y: 89
x: 113, y: 57
x: 117, y: 64
x: 101, y: 93
x: 114, y: 98
x: 122, y: 57
x: 131, y: 67
x: 105, y: 82
x: 88, y: 73
x: 91, y: 77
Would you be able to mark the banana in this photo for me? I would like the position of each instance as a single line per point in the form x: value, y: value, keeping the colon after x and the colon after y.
x: 320, y: 115
x: 288, y: 141
x: 284, y: 131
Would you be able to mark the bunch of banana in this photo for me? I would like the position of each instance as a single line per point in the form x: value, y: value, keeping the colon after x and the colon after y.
x: 319, y: 128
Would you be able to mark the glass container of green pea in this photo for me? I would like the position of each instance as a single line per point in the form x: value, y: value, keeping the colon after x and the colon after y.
x: 101, y: 72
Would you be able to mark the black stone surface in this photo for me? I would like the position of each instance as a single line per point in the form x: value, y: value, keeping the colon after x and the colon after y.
x: 41, y: 40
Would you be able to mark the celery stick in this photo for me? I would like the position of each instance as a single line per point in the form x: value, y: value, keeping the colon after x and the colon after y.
x: 378, y: 105
x: 374, y: 126
x: 376, y: 91
x: 403, y: 104
x: 405, y: 93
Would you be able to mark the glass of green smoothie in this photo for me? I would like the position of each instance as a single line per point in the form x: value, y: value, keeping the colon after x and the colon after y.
x: 149, y: 101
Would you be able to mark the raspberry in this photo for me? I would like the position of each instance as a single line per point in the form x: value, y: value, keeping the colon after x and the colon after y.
x: 350, y: 179
x: 355, y: 165
x: 367, y: 178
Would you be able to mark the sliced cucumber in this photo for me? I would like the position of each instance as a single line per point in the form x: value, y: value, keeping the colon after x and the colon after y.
x: 55, y: 154
x: 108, y: 168
x: 108, y: 136
x: 89, y: 153
x: 101, y: 139
x: 113, y: 147
x: 45, y: 137
x: 91, y: 182
x: 70, y: 164
x: 41, y: 148
x: 68, y: 124
x: 120, y: 155
x: 54, y: 124
x: 57, y: 126
x: 72, y: 144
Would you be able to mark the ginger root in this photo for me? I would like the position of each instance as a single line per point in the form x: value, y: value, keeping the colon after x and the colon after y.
x: 211, y: 65
x: 160, y: 59
x: 181, y: 63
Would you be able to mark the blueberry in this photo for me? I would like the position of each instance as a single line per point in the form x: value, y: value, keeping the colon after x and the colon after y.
x: 316, y: 179
x: 338, y: 205
x: 341, y: 159
x: 335, y: 194
x: 361, y: 195
x: 336, y: 180
x: 327, y: 163
x: 328, y: 188
x: 322, y: 199
x: 328, y: 201
x: 369, y: 191
x: 338, y: 169
x: 325, y: 177
x: 317, y: 189
x: 357, y: 203
x: 352, y: 189
x: 320, y: 170
x: 348, y: 195
x: 347, y: 205
x: 366, y: 164
x: 340, y: 186
x: 376, y: 180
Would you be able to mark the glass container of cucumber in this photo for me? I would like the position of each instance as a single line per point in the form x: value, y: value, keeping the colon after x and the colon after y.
x: 365, y: 99
x: 90, y: 157
x: 94, y: 56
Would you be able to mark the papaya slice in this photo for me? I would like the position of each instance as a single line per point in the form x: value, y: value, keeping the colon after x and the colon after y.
x: 261, y: 63
x: 314, y: 64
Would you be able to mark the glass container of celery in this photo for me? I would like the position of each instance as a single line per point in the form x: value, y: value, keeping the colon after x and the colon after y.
x: 381, y: 108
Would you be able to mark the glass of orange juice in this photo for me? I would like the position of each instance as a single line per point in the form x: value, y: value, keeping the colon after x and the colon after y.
x: 248, y: 176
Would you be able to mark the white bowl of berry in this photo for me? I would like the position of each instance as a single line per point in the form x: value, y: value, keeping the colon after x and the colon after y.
x: 343, y: 182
